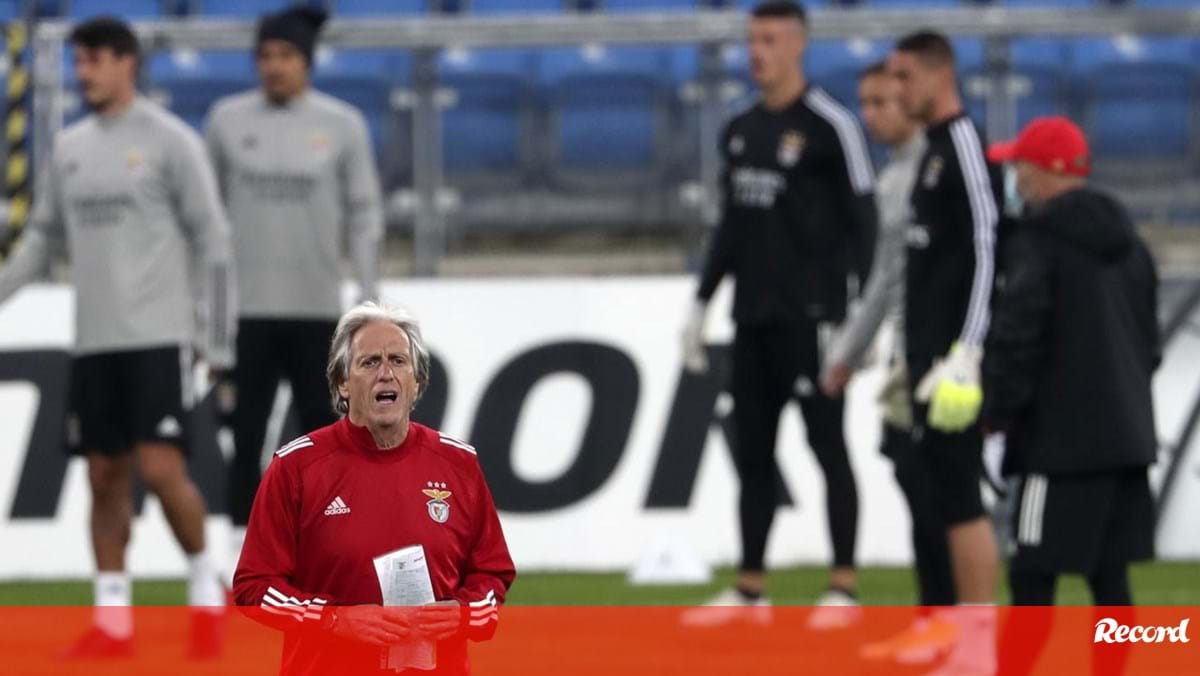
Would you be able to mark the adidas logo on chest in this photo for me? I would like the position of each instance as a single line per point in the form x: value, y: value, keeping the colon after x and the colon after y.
x: 338, y: 506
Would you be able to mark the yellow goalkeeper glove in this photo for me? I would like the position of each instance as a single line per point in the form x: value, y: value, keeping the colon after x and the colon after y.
x: 952, y: 389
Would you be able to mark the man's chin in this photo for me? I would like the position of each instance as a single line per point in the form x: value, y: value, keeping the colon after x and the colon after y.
x: 386, y: 419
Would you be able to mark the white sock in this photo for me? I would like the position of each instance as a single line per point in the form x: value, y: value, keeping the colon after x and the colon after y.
x: 113, y: 596
x: 204, y: 585
x: 977, y: 634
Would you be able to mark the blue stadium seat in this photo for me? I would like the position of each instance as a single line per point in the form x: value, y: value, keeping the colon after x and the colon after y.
x: 513, y: 6
x: 1165, y: 4
x: 1070, y: 4
x: 609, y: 109
x: 909, y: 4
x: 836, y: 64
x: 1139, y: 101
x: 364, y: 79
x: 189, y: 82
x: 487, y: 132
x: 748, y: 5
x: 648, y: 5
x: 1041, y: 64
x: 357, y: 8
x: 9, y: 9
x: 44, y: 9
x: 240, y: 8
x: 969, y: 57
x: 126, y: 9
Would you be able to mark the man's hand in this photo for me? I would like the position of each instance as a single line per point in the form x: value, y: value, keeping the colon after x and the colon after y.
x: 834, y: 380
x: 695, y: 358
x: 373, y: 625
x: 440, y: 620
x: 952, y: 389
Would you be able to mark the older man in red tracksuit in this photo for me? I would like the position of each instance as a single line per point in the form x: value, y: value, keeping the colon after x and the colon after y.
x: 369, y: 484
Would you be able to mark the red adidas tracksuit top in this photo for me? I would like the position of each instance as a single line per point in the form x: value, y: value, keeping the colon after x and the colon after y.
x: 331, y: 501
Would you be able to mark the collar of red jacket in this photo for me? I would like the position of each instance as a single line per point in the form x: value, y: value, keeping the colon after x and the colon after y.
x: 360, y: 439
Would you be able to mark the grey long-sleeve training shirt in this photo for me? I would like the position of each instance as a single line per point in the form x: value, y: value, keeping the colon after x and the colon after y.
x: 884, y: 296
x: 131, y: 200
x: 298, y: 180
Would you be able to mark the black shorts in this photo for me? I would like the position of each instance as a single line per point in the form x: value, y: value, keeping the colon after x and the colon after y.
x: 1076, y: 523
x: 119, y: 399
x: 955, y: 464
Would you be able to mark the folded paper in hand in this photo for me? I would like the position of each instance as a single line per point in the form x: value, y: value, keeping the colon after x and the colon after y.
x: 404, y: 581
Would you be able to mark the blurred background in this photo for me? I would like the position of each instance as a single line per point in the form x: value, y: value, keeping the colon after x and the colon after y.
x: 523, y: 139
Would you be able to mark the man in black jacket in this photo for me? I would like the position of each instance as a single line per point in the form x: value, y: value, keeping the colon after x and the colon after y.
x: 1073, y: 344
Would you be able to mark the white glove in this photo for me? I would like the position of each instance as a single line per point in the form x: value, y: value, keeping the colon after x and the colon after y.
x: 952, y: 389
x: 695, y: 358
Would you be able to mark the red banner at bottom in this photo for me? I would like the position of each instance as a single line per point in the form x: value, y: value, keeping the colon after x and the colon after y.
x: 653, y: 640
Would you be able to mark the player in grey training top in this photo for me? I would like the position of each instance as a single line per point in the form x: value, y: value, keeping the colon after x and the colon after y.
x: 890, y: 124
x: 130, y: 198
x: 298, y: 179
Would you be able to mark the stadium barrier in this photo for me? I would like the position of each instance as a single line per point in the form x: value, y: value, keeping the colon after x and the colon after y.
x: 595, y: 442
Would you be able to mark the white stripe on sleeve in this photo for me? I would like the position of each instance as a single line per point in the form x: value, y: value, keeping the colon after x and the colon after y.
x: 462, y: 445
x: 984, y: 216
x: 493, y: 617
x: 850, y: 136
x: 490, y: 599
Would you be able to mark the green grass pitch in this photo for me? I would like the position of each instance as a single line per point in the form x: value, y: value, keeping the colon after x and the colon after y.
x: 1159, y: 583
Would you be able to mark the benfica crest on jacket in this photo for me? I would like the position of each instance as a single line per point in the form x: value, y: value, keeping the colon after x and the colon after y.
x: 439, y: 509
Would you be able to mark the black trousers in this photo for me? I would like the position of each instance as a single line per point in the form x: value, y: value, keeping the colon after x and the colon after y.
x: 270, y: 350
x: 1024, y: 637
x: 931, y: 550
x: 771, y: 365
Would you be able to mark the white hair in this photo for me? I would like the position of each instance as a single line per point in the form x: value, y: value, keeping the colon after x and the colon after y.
x: 338, y: 367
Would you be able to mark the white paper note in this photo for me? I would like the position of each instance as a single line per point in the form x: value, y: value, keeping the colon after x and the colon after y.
x: 404, y: 581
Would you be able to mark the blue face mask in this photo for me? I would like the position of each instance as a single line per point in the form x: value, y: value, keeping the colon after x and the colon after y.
x: 1013, y: 204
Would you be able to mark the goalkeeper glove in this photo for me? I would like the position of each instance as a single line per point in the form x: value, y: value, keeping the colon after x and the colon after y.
x: 695, y: 359
x: 894, y: 397
x: 952, y: 389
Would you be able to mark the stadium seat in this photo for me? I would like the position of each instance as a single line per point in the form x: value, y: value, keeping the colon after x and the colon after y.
x: 358, y: 8
x: 647, y: 5
x: 189, y: 82
x: 126, y: 9
x: 364, y: 79
x: 44, y: 9
x: 487, y: 130
x: 240, y: 8
x: 609, y: 109
x: 1039, y: 73
x: 1164, y: 4
x: 836, y: 64
x: 1042, y: 4
x: 1040, y: 66
x: 748, y: 5
x: 908, y: 4
x: 513, y: 6
x: 1139, y: 100
x: 9, y: 9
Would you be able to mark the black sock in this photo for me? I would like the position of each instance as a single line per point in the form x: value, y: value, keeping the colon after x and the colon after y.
x: 749, y: 594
